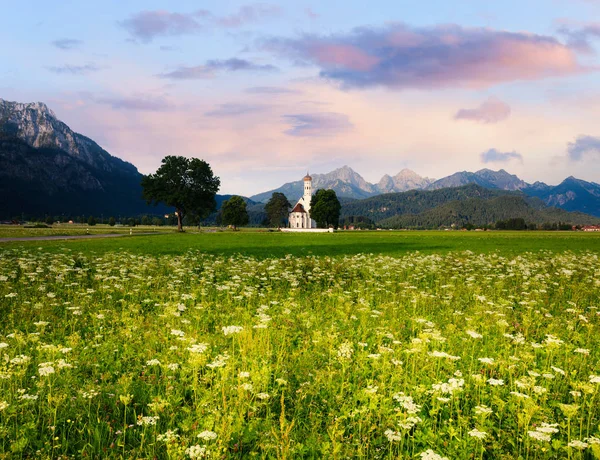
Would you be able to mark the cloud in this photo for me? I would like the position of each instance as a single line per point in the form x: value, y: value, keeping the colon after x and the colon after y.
x: 271, y: 90
x: 494, y: 156
x: 398, y: 56
x: 211, y: 67
x: 137, y: 103
x: 147, y: 25
x: 318, y: 124
x: 248, y: 14
x: 67, y: 43
x: 74, y: 69
x: 579, y: 38
x: 491, y: 111
x: 583, y: 145
x: 232, y: 110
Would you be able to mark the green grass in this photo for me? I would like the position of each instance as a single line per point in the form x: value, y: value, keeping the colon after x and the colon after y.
x: 19, y: 231
x: 275, y: 244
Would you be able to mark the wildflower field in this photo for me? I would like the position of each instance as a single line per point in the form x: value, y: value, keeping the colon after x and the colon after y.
x: 451, y: 354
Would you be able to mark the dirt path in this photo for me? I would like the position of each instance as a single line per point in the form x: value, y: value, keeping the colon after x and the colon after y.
x: 71, y: 237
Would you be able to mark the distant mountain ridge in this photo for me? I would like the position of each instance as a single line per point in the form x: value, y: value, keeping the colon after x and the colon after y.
x: 572, y: 194
x: 349, y: 184
x: 471, y: 203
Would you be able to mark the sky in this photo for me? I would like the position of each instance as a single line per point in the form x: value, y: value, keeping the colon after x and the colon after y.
x: 267, y: 91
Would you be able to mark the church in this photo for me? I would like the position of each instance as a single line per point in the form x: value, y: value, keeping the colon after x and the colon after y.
x: 300, y: 216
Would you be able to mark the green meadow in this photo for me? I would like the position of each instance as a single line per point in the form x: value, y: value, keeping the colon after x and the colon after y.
x: 263, y: 243
x: 235, y: 345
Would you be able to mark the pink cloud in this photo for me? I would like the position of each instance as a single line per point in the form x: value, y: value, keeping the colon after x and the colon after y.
x: 399, y: 57
x: 344, y: 56
x: 491, y: 111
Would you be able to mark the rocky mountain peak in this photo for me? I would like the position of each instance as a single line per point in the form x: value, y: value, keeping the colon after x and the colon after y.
x: 38, y: 126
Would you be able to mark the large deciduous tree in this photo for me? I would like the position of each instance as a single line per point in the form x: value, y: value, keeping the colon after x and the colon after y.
x: 187, y: 184
x: 233, y: 212
x: 325, y: 208
x: 277, y: 209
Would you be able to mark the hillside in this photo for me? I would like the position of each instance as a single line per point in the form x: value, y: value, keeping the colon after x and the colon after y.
x: 388, y: 205
x: 482, y: 211
x: 46, y: 168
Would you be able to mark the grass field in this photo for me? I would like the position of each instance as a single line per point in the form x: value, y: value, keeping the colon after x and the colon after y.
x: 373, y: 345
x: 274, y: 244
x: 19, y: 231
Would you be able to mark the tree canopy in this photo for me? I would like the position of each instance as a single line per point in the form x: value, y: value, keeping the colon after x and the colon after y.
x: 233, y: 212
x: 325, y: 208
x: 187, y: 184
x: 277, y: 209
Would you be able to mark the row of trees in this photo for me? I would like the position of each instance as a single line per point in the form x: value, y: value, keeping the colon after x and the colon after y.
x: 190, y: 187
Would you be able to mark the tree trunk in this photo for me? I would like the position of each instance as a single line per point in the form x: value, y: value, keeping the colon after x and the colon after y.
x: 179, y: 220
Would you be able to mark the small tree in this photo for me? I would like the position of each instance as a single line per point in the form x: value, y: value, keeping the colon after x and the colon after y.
x: 146, y: 220
x: 187, y: 184
x: 49, y: 220
x: 112, y: 222
x: 234, y: 212
x: 91, y: 221
x: 325, y: 208
x: 277, y: 209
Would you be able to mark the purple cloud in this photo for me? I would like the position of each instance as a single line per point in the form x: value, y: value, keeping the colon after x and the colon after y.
x: 398, y: 56
x: 74, y: 69
x: 248, y: 14
x: 147, y: 25
x: 494, y: 156
x: 137, y: 103
x: 579, y: 38
x: 491, y: 111
x: 232, y: 110
x: 583, y: 145
x: 67, y: 43
x: 318, y: 124
x: 212, y: 67
x: 271, y: 90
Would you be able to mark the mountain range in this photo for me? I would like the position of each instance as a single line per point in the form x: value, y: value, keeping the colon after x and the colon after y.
x: 572, y: 194
x: 46, y: 168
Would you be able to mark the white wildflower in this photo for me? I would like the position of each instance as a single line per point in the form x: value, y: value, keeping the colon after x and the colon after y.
x: 208, y: 435
x: 228, y: 330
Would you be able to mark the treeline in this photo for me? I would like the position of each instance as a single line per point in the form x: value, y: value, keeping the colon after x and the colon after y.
x: 478, y: 212
x: 414, y: 202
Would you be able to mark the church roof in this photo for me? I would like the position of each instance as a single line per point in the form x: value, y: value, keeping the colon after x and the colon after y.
x: 298, y: 208
x: 307, y: 177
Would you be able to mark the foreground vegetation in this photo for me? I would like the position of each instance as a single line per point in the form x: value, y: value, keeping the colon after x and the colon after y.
x: 118, y: 354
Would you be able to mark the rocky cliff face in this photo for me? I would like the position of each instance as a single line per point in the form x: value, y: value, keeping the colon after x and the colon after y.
x: 46, y: 168
x: 37, y: 126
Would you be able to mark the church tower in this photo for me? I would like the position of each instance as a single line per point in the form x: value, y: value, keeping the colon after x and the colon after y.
x: 307, y: 192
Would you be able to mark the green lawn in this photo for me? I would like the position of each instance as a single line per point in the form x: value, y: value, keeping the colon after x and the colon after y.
x: 274, y: 244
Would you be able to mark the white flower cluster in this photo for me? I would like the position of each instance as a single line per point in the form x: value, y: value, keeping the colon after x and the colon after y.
x: 148, y: 421
x: 229, y: 330
x: 543, y: 432
x: 431, y: 455
x: 449, y: 387
x: 219, y: 361
x: 207, y: 435
x: 198, y: 348
x: 345, y: 351
x: 443, y: 354
x: 196, y: 451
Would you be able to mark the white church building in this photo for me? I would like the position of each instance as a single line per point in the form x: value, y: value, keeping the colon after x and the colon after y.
x: 299, y: 217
